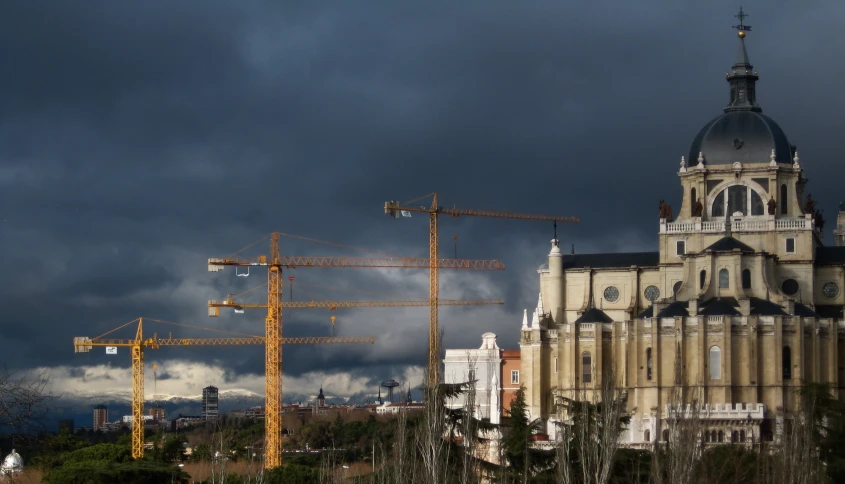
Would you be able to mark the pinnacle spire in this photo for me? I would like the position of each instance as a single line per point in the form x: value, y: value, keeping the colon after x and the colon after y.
x: 742, y: 77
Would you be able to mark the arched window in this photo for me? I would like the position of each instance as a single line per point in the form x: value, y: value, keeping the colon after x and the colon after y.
x: 692, y: 200
x: 647, y: 435
x: 724, y: 279
x: 665, y: 435
x: 787, y: 363
x: 721, y: 436
x: 706, y: 436
x: 756, y: 204
x: 734, y: 437
x: 713, y: 436
x: 718, y: 209
x: 586, y: 367
x: 648, y: 364
x: 737, y: 198
x: 746, y: 279
x: 702, y: 276
x: 715, y: 363
x: 782, y: 201
x: 742, y: 435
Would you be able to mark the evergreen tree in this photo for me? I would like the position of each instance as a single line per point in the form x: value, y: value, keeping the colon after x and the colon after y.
x: 516, y: 443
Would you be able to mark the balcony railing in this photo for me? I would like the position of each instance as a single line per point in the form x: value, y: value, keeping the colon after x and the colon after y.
x: 769, y: 224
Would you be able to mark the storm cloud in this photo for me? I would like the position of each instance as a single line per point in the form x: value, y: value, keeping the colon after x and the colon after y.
x: 138, y: 139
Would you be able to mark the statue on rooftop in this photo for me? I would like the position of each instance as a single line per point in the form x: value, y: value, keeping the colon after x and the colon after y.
x: 665, y: 211
x: 819, y: 220
x: 810, y: 204
x: 698, y: 209
x: 772, y: 206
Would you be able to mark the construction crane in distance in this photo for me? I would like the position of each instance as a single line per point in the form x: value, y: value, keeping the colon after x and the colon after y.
x: 273, y: 322
x: 396, y: 209
x: 137, y: 346
x: 214, y: 306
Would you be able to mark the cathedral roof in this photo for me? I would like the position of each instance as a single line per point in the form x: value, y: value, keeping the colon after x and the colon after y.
x: 648, y: 313
x: 744, y: 136
x: 718, y: 307
x: 727, y: 244
x: 763, y: 307
x: 594, y: 315
x: 676, y: 308
x: 830, y: 255
x: 743, y: 133
x: 832, y: 312
x: 603, y: 261
x: 804, y: 311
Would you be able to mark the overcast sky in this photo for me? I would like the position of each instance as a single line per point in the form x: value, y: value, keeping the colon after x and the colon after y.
x: 138, y: 139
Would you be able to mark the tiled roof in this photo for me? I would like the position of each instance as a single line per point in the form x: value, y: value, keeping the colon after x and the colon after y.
x: 727, y: 244
x: 594, y: 315
x: 830, y: 255
x: 763, y: 307
x: 719, y: 307
x: 604, y: 261
x: 676, y: 308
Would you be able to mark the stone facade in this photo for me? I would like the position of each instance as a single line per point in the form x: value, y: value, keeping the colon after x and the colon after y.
x: 491, y: 369
x: 739, y: 304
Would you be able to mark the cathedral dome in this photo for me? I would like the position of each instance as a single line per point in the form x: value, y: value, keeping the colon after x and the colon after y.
x: 743, y: 133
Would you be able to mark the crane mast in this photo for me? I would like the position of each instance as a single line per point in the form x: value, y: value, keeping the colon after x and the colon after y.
x: 396, y: 209
x: 273, y: 322
x: 138, y: 345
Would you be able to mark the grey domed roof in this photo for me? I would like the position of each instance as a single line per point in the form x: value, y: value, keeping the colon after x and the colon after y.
x: 743, y: 133
x: 744, y: 136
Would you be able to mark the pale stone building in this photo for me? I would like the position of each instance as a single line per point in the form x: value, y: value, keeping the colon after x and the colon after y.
x: 493, y: 371
x: 740, y: 302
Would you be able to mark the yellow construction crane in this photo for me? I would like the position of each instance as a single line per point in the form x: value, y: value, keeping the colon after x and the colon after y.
x: 273, y: 322
x: 214, y: 306
x: 396, y: 209
x: 137, y: 346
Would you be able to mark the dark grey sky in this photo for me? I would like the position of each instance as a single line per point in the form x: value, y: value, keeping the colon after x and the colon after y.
x: 137, y: 139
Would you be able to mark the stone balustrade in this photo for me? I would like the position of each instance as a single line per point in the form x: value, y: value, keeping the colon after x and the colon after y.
x: 728, y: 411
x: 747, y: 224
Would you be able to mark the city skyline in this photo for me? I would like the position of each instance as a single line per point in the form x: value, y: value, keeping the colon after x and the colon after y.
x: 137, y: 148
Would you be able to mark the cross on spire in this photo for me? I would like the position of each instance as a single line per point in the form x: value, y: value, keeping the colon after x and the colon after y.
x: 742, y: 27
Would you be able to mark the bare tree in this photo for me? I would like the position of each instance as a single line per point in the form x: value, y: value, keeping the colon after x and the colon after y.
x: 675, y: 458
x: 23, y: 401
x: 590, y: 432
x: 796, y: 458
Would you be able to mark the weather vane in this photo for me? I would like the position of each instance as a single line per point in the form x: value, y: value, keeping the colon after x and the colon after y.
x: 742, y: 27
